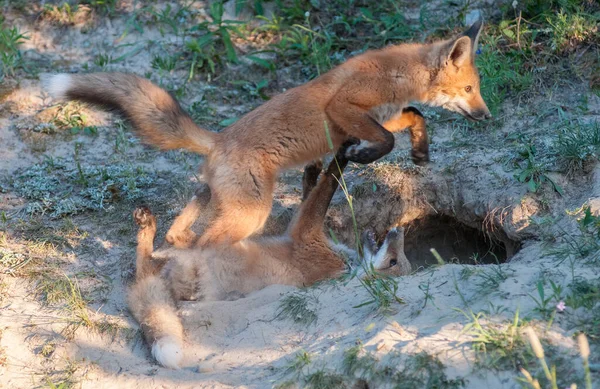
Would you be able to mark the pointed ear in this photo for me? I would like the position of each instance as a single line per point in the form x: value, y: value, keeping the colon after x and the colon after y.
x: 473, y: 33
x: 461, y: 52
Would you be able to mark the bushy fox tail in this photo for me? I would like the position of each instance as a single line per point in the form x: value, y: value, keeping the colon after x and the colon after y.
x: 153, y: 307
x: 155, y: 114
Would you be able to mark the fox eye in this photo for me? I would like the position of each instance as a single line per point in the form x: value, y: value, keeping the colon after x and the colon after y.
x: 393, y: 262
x: 468, y: 88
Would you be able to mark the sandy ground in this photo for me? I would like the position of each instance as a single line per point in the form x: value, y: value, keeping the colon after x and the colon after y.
x: 243, y: 343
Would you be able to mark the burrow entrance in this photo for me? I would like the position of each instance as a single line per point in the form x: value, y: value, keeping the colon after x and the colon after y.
x: 455, y: 242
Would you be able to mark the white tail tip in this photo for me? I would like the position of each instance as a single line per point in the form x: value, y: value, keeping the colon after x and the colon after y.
x: 167, y: 351
x: 57, y: 85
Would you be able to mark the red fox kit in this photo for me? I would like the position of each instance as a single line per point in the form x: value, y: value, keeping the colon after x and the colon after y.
x: 301, y: 257
x: 243, y: 161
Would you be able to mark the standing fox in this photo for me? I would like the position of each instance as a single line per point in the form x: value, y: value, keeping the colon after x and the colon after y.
x: 351, y: 100
x: 301, y: 257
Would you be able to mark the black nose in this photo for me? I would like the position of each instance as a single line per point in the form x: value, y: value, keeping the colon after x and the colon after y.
x: 481, y: 115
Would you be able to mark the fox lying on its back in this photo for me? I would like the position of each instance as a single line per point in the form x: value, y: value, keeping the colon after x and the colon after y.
x: 244, y: 159
x: 301, y: 257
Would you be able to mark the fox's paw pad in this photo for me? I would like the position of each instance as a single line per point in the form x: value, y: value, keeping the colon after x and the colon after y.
x: 369, y: 241
x: 313, y: 169
x: 369, y: 237
x: 143, y: 217
x: 311, y: 173
x: 420, y: 158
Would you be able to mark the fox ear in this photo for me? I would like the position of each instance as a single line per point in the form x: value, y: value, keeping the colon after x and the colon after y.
x: 473, y: 33
x: 461, y: 51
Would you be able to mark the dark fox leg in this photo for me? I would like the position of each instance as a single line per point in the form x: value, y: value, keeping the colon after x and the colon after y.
x: 311, y: 215
x: 180, y: 235
x: 310, y: 177
x: 413, y: 119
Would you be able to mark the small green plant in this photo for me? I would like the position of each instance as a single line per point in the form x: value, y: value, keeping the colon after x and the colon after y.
x: 382, y: 289
x: 577, y: 144
x: 424, y: 287
x: 103, y: 59
x: 388, y: 26
x: 70, y: 116
x: 298, y: 307
x: 48, y: 349
x: 502, y: 74
x: 205, y: 50
x: 583, y: 293
x: 170, y: 17
x: 322, y: 379
x: 497, y: 346
x: 585, y: 245
x: 359, y: 362
x: 583, y: 297
x: 10, y: 55
x: 301, y: 361
x: 531, y: 171
x: 491, y: 277
x: 255, y: 89
x: 166, y: 63
x: 546, y: 305
x: 571, y: 30
x: 310, y: 46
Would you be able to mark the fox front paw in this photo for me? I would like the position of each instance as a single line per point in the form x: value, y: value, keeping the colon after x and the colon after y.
x: 420, y: 158
x: 369, y: 241
x: 366, y: 151
x: 143, y: 217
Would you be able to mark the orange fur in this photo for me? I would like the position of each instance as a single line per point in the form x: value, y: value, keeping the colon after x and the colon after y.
x: 301, y: 257
x: 244, y: 160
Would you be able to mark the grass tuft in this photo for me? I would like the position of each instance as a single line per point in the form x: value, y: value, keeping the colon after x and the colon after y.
x: 299, y: 307
x: 497, y: 346
x: 10, y: 55
x: 577, y: 145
